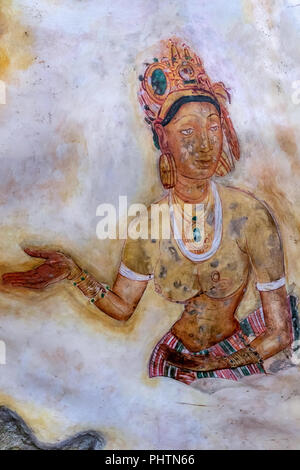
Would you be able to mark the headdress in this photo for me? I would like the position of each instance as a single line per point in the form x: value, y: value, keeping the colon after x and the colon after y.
x: 181, y: 74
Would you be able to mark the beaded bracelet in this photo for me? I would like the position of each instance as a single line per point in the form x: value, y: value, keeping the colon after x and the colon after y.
x: 248, y: 354
x: 90, y: 287
x: 101, y: 294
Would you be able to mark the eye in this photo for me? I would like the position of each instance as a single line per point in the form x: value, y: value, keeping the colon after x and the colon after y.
x: 214, y: 128
x: 187, y: 131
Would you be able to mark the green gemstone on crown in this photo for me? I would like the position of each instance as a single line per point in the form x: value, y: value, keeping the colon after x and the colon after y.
x: 194, y: 218
x: 158, y: 82
x: 188, y: 82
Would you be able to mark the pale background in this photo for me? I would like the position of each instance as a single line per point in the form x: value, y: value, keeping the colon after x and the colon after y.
x: 71, y: 137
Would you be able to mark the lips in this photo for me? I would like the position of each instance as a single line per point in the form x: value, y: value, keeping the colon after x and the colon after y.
x: 203, y: 163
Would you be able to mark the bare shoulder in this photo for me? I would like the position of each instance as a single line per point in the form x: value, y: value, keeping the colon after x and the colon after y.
x: 160, y: 205
x: 237, y: 202
x: 163, y: 200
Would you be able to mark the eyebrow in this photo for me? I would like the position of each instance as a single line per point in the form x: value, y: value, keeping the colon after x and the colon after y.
x: 194, y: 115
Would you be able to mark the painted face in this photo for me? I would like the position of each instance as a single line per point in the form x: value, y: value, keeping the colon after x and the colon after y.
x: 194, y: 138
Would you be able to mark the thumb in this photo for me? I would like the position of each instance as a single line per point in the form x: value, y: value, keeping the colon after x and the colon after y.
x: 37, y: 253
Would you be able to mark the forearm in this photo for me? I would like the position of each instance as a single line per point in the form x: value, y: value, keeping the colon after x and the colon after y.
x: 240, y: 358
x: 266, y: 345
x: 114, y: 306
x: 119, y: 302
x: 278, y: 334
x: 258, y: 350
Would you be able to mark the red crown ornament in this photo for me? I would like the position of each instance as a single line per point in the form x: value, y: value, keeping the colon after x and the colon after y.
x: 180, y: 72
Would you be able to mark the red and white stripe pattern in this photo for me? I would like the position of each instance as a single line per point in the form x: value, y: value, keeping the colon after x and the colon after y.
x: 257, y: 321
x: 159, y: 367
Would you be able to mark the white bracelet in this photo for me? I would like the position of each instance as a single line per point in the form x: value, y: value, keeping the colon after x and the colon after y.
x: 132, y: 275
x: 267, y: 286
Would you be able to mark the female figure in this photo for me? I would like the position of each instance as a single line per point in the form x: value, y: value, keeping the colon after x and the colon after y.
x: 208, y: 271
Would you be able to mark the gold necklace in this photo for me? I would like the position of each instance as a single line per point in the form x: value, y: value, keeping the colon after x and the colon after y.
x: 197, y: 233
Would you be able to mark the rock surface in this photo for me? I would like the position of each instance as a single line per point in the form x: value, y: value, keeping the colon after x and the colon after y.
x: 16, y: 435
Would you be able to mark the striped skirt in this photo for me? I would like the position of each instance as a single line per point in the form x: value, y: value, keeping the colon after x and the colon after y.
x: 252, y: 326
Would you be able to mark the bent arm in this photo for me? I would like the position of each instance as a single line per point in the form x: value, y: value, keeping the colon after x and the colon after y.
x: 276, y: 337
x: 266, y: 253
x: 120, y: 302
x: 264, y: 247
x: 278, y: 334
x: 136, y: 270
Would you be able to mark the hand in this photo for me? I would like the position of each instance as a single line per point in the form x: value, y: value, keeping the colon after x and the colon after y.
x: 56, y: 268
x: 191, y: 362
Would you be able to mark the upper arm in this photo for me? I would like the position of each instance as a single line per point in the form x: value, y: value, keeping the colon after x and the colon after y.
x: 263, y: 244
x: 122, y: 299
x: 139, y: 257
x: 136, y: 269
x: 134, y: 273
x: 264, y: 247
x: 130, y: 291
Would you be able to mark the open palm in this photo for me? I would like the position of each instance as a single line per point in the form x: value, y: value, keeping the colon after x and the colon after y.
x: 56, y: 268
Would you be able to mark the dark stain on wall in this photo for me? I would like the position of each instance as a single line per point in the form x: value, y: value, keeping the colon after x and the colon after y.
x: 16, y: 435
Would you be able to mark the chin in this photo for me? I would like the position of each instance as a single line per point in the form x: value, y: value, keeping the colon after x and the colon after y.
x: 201, y: 174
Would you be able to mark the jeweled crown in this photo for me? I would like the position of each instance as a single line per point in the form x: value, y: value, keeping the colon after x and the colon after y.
x: 181, y: 69
x: 181, y: 72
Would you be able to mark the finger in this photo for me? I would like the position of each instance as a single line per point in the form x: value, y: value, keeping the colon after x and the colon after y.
x: 182, y: 360
x: 185, y: 363
x: 29, y: 279
x: 30, y: 286
x: 31, y: 282
x: 22, y: 282
x: 31, y: 272
x: 39, y: 253
x: 8, y: 277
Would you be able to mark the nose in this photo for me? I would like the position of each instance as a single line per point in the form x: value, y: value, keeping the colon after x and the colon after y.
x: 203, y: 143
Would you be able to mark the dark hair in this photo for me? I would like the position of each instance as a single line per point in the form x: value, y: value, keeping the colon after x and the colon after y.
x: 175, y: 107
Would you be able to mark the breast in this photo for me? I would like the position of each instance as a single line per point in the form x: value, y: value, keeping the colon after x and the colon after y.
x: 175, y: 277
x: 178, y: 279
x: 225, y: 272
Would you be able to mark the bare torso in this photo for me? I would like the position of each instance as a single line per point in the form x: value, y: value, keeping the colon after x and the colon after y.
x: 206, y: 321
x: 209, y: 316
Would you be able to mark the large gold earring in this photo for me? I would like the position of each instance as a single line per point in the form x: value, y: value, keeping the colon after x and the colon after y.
x: 167, y: 170
x: 224, y: 166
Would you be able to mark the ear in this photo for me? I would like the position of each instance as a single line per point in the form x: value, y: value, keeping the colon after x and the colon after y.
x: 162, y: 137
